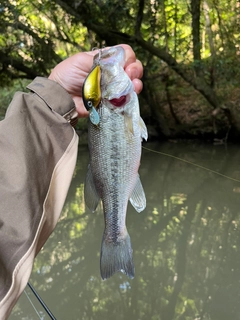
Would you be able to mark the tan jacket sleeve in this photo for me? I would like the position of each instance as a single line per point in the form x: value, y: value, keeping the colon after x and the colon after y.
x: 38, y: 151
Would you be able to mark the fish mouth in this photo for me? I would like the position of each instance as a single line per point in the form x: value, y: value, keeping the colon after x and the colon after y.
x: 118, y: 102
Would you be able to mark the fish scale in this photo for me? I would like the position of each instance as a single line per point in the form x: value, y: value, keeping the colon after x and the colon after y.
x: 115, y: 151
x: 110, y: 168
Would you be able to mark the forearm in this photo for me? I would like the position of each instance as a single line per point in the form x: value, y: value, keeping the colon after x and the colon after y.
x: 37, y: 159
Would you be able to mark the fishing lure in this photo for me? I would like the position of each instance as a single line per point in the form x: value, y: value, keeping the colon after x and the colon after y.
x: 91, y: 93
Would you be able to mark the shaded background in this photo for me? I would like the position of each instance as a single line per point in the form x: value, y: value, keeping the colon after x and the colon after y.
x: 190, y: 51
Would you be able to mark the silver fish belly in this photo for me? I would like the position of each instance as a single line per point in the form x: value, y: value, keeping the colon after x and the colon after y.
x: 115, y: 152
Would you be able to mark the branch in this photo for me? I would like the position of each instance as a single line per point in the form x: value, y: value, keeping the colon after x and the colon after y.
x: 41, y: 41
x: 18, y: 65
x: 111, y: 37
x: 139, y: 17
x: 198, y: 83
x: 67, y: 8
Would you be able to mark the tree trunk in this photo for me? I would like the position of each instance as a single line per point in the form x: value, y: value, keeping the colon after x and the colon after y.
x: 208, y: 28
x: 195, y: 10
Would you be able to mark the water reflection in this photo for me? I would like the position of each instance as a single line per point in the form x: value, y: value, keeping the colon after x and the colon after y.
x: 186, y: 245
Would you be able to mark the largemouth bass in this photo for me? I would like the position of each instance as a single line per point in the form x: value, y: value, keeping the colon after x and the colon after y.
x: 115, y: 135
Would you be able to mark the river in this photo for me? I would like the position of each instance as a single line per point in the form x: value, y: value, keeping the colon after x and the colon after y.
x: 185, y: 243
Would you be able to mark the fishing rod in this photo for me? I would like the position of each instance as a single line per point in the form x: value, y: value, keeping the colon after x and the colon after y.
x: 41, y: 302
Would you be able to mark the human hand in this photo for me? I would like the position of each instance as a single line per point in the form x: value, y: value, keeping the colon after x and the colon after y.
x: 72, y: 72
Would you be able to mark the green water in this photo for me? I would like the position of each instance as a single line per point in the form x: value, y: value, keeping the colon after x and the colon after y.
x: 185, y: 244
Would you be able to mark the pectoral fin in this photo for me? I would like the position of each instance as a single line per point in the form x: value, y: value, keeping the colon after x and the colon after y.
x: 91, y: 196
x: 128, y: 123
x: 138, y: 199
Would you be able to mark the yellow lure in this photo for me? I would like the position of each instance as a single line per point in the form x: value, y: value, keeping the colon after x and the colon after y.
x: 91, y: 92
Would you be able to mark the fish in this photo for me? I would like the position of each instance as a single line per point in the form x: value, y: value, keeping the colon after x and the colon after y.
x: 115, y: 134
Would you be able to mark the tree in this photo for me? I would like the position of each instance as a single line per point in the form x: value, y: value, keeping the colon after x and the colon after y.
x: 181, y: 46
x: 33, y: 38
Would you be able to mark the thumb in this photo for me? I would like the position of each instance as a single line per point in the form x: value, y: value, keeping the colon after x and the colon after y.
x: 81, y: 110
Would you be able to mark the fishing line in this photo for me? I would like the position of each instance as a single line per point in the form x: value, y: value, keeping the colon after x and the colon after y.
x: 192, y: 163
x: 35, y: 309
x: 42, y: 302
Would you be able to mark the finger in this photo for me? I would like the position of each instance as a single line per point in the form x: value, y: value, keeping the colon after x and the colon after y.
x: 135, y: 70
x: 138, y: 85
x: 83, y: 60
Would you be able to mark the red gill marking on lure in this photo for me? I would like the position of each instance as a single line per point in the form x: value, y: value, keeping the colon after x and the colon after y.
x: 118, y: 102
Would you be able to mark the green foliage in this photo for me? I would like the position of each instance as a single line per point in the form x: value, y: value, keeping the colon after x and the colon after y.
x: 34, y: 30
x: 36, y: 35
x: 8, y: 92
x: 34, y: 38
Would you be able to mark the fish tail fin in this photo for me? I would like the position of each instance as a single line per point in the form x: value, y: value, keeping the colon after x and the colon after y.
x: 116, y: 256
